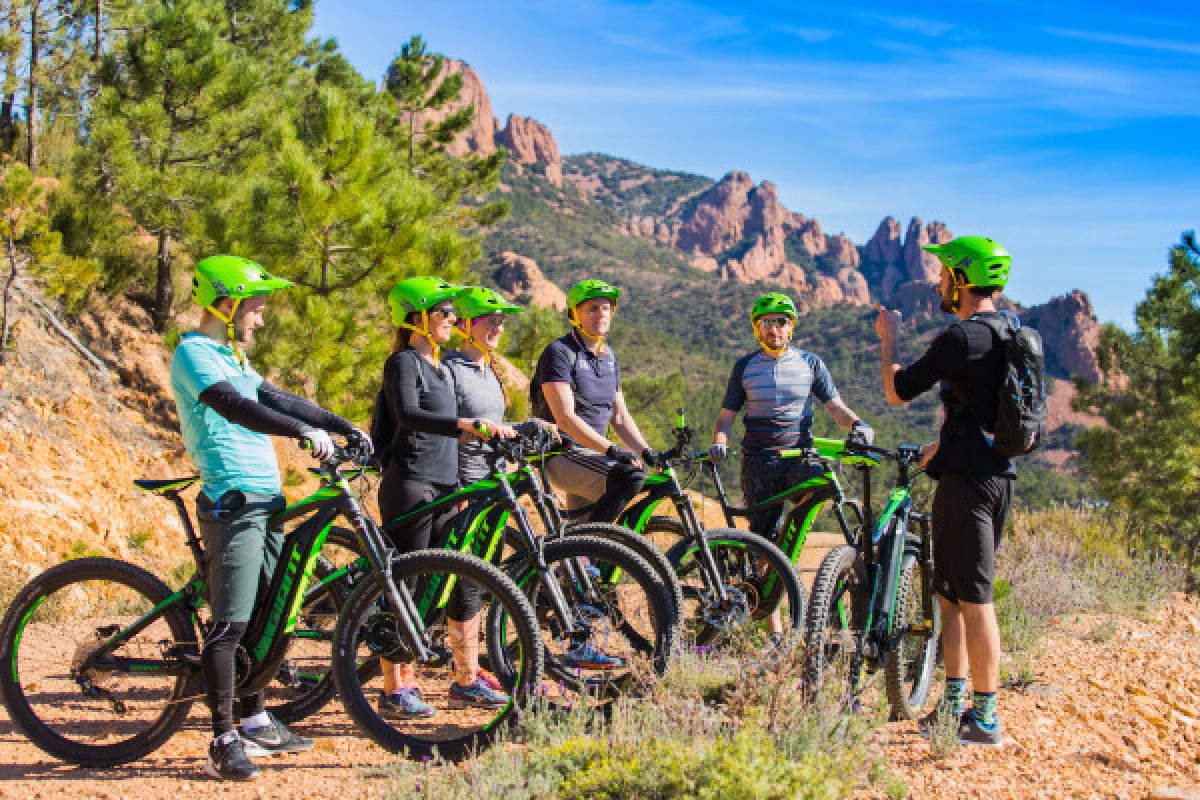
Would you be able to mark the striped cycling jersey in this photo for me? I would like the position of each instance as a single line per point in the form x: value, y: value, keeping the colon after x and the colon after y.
x: 776, y: 395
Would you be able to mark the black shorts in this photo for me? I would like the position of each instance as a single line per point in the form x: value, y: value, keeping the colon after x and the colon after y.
x: 968, y: 521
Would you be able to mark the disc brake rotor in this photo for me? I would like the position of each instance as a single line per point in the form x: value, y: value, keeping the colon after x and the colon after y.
x: 732, y: 614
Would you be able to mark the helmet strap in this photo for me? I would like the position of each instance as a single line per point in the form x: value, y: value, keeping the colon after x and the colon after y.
x: 480, y: 345
x: 955, y: 303
x: 231, y: 333
x: 424, y: 333
x: 573, y: 316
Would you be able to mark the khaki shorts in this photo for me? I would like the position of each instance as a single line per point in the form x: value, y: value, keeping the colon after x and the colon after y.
x: 581, y: 475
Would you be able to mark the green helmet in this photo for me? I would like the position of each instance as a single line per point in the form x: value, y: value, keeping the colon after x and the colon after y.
x: 418, y: 294
x: 479, y: 301
x: 984, y: 261
x: 231, y: 276
x: 773, y: 303
x: 586, y: 290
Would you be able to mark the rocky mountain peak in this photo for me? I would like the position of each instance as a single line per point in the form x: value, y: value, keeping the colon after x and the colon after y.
x: 481, y: 136
x: 530, y: 142
x: 1070, y: 333
x: 520, y: 276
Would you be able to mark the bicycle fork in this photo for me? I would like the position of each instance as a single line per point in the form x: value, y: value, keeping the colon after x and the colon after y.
x: 709, y: 572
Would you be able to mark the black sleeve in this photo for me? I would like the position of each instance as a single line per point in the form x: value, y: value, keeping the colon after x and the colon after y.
x: 401, y: 377
x: 946, y: 356
x: 222, y: 398
x: 557, y: 363
x: 735, y: 393
x: 295, y: 406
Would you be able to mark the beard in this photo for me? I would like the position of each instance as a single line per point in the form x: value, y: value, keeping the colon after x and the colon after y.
x: 948, y: 304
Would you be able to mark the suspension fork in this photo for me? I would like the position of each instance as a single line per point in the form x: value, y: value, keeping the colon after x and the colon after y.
x: 379, y: 554
x: 709, y: 573
x: 839, y: 497
x: 534, y: 546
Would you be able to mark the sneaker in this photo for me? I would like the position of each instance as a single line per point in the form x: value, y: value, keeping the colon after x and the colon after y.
x: 970, y: 731
x: 476, y: 694
x: 227, y: 760
x: 274, y: 739
x: 489, y: 680
x: 931, y: 719
x: 584, y: 656
x: 404, y: 703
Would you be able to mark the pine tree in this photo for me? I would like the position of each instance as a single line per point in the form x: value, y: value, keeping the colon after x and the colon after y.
x: 186, y: 98
x: 1145, y: 459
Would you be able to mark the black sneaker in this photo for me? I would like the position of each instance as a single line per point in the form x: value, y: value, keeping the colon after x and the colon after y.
x: 274, y: 739
x: 227, y: 760
x: 971, y: 731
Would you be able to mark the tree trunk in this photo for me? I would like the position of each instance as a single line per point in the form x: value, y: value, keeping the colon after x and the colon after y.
x: 31, y: 93
x: 164, y: 294
x: 8, y: 131
x: 97, y: 46
x: 12, y: 276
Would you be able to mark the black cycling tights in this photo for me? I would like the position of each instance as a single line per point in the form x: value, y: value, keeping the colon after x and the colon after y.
x: 220, y: 675
x: 622, y: 484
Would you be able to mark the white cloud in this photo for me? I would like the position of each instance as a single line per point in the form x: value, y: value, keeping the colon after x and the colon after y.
x: 1140, y: 42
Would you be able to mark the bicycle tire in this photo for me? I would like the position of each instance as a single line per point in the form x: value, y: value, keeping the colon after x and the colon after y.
x: 307, y: 696
x: 365, y: 600
x: 908, y: 684
x: 15, y: 631
x: 842, y: 573
x: 658, y: 648
x: 644, y: 548
x: 682, y: 558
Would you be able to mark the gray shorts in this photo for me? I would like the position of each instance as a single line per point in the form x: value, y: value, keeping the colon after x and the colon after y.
x: 241, y: 550
x: 582, y: 475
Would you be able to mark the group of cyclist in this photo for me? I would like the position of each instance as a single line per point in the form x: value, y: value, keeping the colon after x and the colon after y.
x: 436, y: 412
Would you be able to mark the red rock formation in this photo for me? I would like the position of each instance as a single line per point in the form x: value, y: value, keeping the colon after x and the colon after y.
x: 884, y: 246
x: 519, y: 276
x: 843, y: 251
x: 812, y: 238
x: 1070, y: 333
x: 529, y: 141
x: 480, y: 137
x: 854, y: 287
x: 919, y: 265
x: 718, y: 220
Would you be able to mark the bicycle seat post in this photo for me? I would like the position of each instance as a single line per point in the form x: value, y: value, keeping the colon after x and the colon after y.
x: 193, y: 541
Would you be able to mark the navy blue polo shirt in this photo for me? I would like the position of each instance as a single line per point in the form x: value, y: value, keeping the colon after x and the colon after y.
x: 595, y: 378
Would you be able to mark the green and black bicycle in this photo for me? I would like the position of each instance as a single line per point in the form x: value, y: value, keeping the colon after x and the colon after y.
x: 101, y: 659
x: 873, y: 604
x: 731, y: 579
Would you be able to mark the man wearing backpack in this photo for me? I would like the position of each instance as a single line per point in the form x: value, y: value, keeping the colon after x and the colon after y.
x: 971, y: 460
x: 577, y: 386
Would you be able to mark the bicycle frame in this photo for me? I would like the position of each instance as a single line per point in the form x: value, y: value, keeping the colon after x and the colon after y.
x: 270, y: 629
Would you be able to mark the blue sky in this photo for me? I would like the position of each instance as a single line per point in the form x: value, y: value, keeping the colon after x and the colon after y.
x: 1070, y: 132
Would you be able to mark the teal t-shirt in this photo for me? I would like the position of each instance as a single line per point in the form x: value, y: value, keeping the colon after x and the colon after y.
x: 227, y: 456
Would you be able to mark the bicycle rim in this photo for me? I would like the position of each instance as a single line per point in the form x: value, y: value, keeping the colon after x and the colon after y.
x: 910, y: 665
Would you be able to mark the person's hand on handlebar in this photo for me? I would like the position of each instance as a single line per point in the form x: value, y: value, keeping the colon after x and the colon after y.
x: 319, y: 442
x: 485, y: 429
x: 621, y: 455
x: 359, y: 440
x: 718, y: 453
x: 650, y: 457
x: 861, y: 433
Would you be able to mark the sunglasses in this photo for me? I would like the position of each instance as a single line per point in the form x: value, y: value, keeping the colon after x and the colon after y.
x: 445, y: 311
x: 775, y: 322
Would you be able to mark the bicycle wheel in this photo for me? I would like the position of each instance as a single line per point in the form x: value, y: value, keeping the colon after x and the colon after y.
x: 751, y: 570
x: 645, y: 548
x: 304, y: 684
x: 620, y: 609
x: 367, y: 631
x: 665, y: 532
x: 908, y: 668
x: 837, y: 613
x: 97, y: 712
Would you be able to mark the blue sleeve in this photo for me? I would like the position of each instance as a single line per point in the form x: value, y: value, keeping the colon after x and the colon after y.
x: 735, y: 393
x: 822, y: 388
x: 556, y: 364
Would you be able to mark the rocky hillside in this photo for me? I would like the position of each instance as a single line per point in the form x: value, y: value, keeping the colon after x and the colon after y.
x: 730, y: 231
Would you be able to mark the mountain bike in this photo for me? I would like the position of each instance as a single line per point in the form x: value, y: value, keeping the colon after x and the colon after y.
x: 873, y: 602
x: 101, y: 660
x: 730, y: 579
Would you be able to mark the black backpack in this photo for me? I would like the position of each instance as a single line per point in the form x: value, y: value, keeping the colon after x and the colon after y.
x: 1021, y: 404
x: 383, y: 428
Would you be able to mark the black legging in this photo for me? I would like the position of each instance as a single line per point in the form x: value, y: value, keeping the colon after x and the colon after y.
x: 217, y: 661
x: 623, y: 483
x: 397, y: 496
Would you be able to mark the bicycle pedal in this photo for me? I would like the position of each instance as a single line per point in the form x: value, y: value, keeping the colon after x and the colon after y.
x: 922, y: 627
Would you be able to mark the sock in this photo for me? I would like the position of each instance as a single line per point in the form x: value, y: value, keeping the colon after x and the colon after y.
x: 955, y: 695
x: 985, y: 710
x: 260, y: 720
x: 226, y: 738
